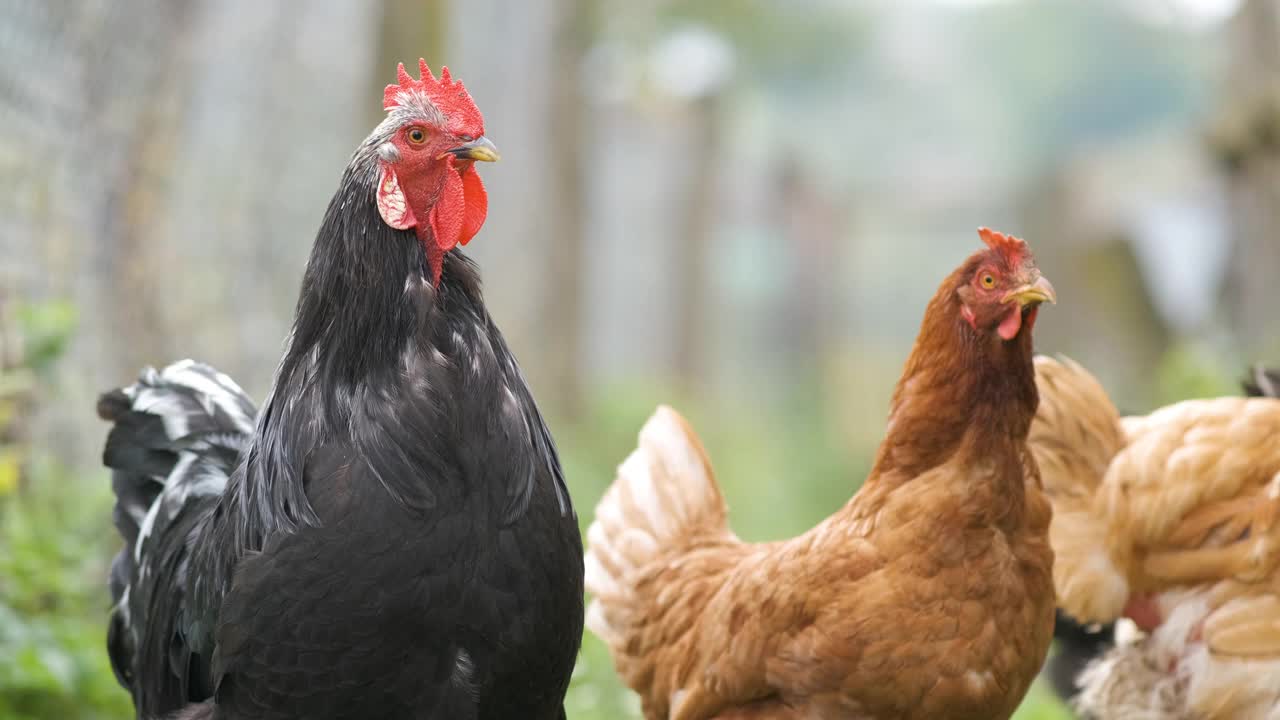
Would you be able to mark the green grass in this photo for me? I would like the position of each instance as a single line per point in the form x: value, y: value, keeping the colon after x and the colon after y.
x: 596, y: 693
x: 1042, y: 704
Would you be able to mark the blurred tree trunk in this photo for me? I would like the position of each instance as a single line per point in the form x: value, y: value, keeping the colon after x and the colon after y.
x: 695, y: 233
x: 814, y: 229
x: 130, y: 242
x: 568, y: 126
x: 1108, y: 316
x: 410, y: 29
x: 1246, y: 140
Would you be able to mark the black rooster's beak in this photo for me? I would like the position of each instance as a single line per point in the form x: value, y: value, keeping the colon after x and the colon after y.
x: 479, y: 149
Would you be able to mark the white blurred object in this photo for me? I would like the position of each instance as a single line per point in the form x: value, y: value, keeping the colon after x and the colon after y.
x: 1182, y: 248
x: 692, y: 62
x: 1190, y: 14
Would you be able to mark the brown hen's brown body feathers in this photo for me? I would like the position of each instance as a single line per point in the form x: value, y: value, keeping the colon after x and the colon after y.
x: 928, y: 595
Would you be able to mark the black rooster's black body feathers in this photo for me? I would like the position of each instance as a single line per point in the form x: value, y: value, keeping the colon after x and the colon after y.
x: 393, y: 539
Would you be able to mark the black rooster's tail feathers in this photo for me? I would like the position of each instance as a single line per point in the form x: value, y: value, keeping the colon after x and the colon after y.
x: 176, y: 436
x: 186, y: 408
x: 1262, y: 382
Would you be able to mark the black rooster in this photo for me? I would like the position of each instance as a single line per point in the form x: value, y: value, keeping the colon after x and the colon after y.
x: 393, y: 538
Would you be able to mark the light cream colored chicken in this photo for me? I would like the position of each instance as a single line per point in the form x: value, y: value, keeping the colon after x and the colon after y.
x: 1170, y: 520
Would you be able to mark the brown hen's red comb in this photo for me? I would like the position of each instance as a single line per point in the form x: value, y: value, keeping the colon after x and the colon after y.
x: 447, y: 94
x: 1013, y: 248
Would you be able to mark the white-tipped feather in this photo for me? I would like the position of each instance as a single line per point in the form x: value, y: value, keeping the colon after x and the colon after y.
x: 598, y: 625
x: 663, y: 495
x: 218, y: 391
x: 144, y: 531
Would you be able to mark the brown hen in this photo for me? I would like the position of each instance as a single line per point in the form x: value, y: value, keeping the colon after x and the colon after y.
x: 928, y: 595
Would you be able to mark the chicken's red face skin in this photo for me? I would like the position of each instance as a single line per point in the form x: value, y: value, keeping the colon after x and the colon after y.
x: 1004, y: 287
x: 427, y: 150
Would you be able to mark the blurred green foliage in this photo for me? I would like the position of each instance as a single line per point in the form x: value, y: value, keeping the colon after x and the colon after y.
x: 46, y: 328
x: 1190, y: 371
x: 55, y: 537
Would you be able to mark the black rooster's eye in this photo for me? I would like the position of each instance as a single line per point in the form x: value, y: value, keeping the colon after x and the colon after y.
x: 988, y: 281
x: 417, y: 135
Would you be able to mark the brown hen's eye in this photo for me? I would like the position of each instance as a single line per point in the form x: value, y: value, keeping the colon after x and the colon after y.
x: 988, y: 281
x: 417, y: 136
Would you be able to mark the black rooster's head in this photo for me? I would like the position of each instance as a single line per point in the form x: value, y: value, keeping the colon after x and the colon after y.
x: 425, y: 154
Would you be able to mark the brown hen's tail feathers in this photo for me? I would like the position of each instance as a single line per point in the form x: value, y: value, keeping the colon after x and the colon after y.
x: 663, y: 500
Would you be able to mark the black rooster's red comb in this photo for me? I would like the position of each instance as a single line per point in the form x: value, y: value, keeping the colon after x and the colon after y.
x: 447, y: 94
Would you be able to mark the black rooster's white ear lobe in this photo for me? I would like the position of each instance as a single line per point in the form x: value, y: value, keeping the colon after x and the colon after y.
x: 392, y: 205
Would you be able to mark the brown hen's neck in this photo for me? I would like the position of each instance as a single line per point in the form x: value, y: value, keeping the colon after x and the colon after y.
x: 964, y: 394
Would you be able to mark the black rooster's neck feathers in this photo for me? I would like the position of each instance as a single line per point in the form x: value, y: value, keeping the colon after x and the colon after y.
x: 364, y: 293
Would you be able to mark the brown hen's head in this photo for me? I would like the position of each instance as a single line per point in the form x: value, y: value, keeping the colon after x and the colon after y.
x: 1001, y: 287
x: 971, y: 365
x: 426, y: 151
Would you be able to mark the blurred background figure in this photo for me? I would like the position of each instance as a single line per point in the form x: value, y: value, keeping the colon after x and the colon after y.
x: 738, y: 206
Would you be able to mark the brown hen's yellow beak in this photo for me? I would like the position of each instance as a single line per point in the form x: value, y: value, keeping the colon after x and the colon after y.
x: 479, y: 149
x: 1033, y: 293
